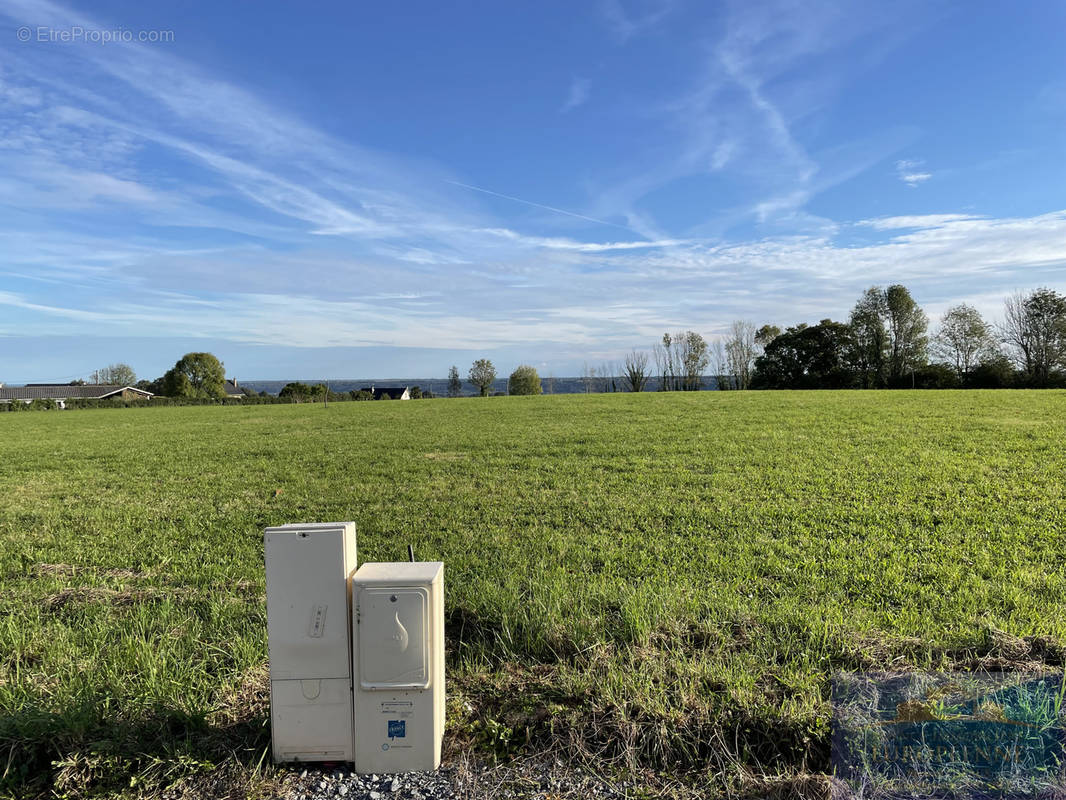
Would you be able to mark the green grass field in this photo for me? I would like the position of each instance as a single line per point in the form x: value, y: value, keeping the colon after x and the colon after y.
x: 667, y: 580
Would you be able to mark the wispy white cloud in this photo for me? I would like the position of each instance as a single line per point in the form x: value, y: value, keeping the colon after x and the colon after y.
x: 643, y: 15
x: 918, y: 221
x: 15, y: 96
x: 1051, y: 99
x: 578, y: 94
x: 270, y: 158
x: 774, y: 121
x: 555, y: 243
x: 740, y: 114
x: 723, y: 154
x: 934, y: 248
x: 909, y: 171
x: 617, y: 295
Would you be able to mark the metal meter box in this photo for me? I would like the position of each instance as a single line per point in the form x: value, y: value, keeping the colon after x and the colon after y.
x: 398, y: 661
x: 309, y: 638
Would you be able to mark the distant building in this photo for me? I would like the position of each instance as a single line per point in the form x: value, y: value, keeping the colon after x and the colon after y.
x: 232, y: 388
x: 393, y: 393
x: 62, y: 392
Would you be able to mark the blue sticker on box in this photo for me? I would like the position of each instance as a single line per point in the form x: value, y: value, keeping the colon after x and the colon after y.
x: 397, y: 728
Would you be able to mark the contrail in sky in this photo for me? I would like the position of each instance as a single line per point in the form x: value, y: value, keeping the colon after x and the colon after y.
x: 541, y: 205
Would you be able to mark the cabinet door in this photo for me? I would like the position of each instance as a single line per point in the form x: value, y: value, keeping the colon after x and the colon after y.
x: 311, y: 720
x: 307, y: 605
x: 393, y: 651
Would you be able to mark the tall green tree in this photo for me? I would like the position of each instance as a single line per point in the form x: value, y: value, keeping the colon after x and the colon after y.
x: 766, y: 334
x: 888, y: 336
x: 907, y: 326
x: 195, y: 375
x: 297, y: 392
x: 177, y: 384
x: 524, y: 380
x: 694, y: 359
x: 868, y: 339
x: 455, y: 384
x: 155, y: 387
x: 482, y: 374
x: 807, y: 357
x: 963, y: 339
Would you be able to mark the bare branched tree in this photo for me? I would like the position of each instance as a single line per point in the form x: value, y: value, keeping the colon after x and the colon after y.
x: 115, y: 375
x: 719, y: 361
x: 741, y: 350
x: 682, y: 360
x: 608, y: 377
x: 665, y: 365
x: 588, y: 377
x: 636, y: 371
x: 1034, y: 328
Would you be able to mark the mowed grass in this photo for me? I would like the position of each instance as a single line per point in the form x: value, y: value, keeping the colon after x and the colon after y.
x: 669, y: 580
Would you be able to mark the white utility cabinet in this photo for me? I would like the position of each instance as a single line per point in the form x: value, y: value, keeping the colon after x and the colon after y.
x: 398, y: 662
x: 309, y: 639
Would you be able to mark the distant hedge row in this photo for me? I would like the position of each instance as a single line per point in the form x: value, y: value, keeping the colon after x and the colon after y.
x: 47, y: 404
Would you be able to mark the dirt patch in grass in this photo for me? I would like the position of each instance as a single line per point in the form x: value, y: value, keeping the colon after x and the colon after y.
x: 74, y: 598
x: 876, y: 650
x: 1001, y: 651
x: 993, y: 650
x: 72, y: 569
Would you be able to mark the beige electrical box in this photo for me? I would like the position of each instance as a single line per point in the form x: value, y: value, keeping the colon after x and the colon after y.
x: 398, y: 665
x: 309, y: 639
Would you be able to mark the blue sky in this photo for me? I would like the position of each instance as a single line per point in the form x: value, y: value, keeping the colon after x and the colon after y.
x: 351, y: 189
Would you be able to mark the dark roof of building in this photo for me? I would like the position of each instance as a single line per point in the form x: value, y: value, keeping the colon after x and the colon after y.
x: 64, y: 391
x: 231, y: 387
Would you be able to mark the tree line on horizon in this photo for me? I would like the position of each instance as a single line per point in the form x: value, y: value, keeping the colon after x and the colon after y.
x: 885, y: 343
